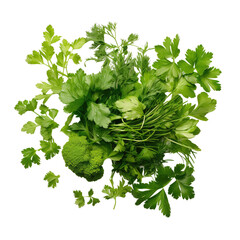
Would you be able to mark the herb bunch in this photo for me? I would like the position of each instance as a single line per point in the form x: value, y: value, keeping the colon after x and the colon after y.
x: 131, y: 113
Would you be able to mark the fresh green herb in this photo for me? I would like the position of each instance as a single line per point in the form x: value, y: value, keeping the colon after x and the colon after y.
x: 80, y: 199
x: 52, y: 179
x: 131, y: 113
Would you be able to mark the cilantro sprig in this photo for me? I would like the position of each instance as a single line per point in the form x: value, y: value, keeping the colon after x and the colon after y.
x: 132, y: 113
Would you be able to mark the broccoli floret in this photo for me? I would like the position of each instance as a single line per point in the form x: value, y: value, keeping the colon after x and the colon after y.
x: 83, y: 158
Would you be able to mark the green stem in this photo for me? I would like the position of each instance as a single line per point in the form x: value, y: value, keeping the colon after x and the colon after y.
x: 115, y: 202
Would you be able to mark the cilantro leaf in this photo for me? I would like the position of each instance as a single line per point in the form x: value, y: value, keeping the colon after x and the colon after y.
x: 80, y: 201
x: 99, y: 113
x: 50, y: 148
x: 52, y: 179
x: 130, y: 107
x: 30, y: 157
x: 29, y: 127
x: 205, y: 105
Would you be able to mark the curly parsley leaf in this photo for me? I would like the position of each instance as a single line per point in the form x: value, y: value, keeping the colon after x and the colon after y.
x: 52, y: 179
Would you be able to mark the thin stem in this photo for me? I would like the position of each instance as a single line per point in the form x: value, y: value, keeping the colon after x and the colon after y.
x: 37, y: 114
x: 115, y: 202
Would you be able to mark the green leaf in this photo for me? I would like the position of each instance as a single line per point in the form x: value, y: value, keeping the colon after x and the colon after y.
x: 130, y: 107
x: 174, y: 46
x: 76, y: 58
x: 49, y: 33
x: 199, y: 58
x: 50, y: 148
x: 186, y: 67
x: 181, y: 187
x: 47, y: 50
x: 205, y: 105
x: 34, y: 58
x: 65, y: 46
x: 80, y: 201
x: 185, y: 88
x: 78, y: 43
x: 186, y: 128
x: 45, y: 87
x: 146, y: 154
x: 44, y: 109
x: 25, y: 106
x: 99, y: 113
x: 30, y: 157
x: 44, y: 121
x: 74, y: 91
x: 55, y: 81
x: 166, y: 68
x: 52, y: 179
x: 55, y: 39
x: 146, y: 192
x: 120, y: 191
x: 120, y: 146
x: 60, y: 59
x: 164, y: 204
x: 92, y: 200
x: 29, y: 127
x: 169, y: 48
x: 90, y: 192
x: 207, y: 80
x: 53, y: 113
x: 102, y: 80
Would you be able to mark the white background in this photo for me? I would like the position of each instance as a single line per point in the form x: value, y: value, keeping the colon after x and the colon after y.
x: 30, y: 210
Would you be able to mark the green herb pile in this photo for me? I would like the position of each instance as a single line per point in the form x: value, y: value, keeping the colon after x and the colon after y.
x: 132, y: 113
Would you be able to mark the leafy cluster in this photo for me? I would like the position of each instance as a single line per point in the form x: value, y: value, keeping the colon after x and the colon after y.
x: 132, y: 112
